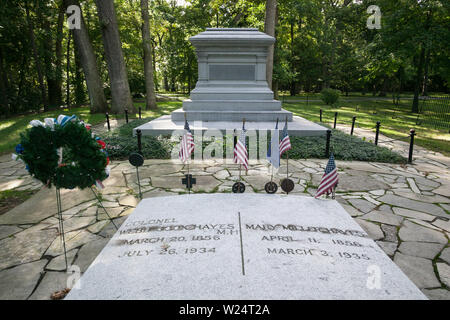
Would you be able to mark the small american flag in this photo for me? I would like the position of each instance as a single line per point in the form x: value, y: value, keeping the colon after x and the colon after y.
x: 329, y: 179
x: 240, y: 151
x: 187, y: 144
x: 285, y: 143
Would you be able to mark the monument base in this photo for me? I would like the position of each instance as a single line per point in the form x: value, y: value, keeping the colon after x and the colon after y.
x: 232, y: 115
x: 246, y: 246
x: 165, y: 126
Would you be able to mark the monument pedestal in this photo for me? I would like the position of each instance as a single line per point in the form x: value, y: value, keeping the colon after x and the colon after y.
x: 231, y: 87
x: 232, y: 78
x: 245, y: 246
x: 165, y: 126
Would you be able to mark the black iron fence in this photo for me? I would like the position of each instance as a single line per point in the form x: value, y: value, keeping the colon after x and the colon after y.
x: 377, y: 127
x: 108, y: 116
x: 434, y: 112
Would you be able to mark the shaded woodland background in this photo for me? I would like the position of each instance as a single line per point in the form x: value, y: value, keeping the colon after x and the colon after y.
x: 130, y: 49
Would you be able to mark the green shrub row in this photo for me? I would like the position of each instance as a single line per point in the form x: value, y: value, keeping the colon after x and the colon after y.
x: 120, y: 143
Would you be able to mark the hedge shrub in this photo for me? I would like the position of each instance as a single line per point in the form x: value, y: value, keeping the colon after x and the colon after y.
x: 330, y: 96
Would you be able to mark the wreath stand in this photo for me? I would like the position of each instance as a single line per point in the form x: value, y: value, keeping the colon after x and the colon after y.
x: 41, y: 149
x: 61, y: 220
x: 104, y: 209
x: 61, y: 224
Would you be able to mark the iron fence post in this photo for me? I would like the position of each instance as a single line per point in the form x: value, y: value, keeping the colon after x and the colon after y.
x: 139, y: 143
x: 327, y: 146
x: 377, y: 132
x: 353, y: 125
x: 412, y: 133
x: 107, y: 121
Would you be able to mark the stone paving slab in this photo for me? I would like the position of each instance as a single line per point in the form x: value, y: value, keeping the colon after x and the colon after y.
x: 25, y: 247
x: 411, y: 227
x: 19, y: 282
x: 43, y: 205
x: 419, y: 270
x: 413, y: 205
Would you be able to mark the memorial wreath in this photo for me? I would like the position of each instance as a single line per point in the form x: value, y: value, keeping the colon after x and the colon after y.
x: 63, y: 152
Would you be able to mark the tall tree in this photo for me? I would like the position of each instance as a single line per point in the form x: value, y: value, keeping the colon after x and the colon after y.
x: 88, y: 62
x: 3, y: 86
x: 50, y: 46
x: 148, y: 66
x: 37, y: 60
x: 269, y: 28
x: 59, y: 53
x: 120, y: 89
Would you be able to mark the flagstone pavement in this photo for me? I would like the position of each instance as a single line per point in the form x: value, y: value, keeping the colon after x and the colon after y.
x: 404, y: 208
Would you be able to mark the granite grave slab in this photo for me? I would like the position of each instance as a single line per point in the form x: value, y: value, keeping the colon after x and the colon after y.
x: 246, y: 246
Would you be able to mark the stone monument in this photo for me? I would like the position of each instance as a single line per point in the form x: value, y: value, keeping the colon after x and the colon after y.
x: 246, y: 246
x: 231, y: 86
x: 232, y: 82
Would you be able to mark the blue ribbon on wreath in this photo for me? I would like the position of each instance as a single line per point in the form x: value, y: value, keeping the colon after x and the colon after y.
x: 19, y: 149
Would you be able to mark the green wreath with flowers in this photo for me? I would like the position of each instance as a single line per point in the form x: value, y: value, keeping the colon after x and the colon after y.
x: 63, y: 152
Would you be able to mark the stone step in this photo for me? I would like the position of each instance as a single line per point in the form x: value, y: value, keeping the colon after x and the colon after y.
x: 232, y: 95
x: 232, y: 105
x: 178, y: 115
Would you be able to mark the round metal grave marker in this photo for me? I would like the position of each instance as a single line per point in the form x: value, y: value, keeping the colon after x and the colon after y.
x: 271, y: 187
x: 136, y: 159
x: 287, y: 185
x: 238, y: 187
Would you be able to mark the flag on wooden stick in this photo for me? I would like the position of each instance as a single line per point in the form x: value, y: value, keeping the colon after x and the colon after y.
x: 329, y: 179
x: 187, y: 143
x: 273, y: 152
x: 240, y: 150
x: 285, y: 143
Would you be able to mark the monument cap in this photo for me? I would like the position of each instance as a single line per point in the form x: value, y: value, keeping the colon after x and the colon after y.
x: 225, y: 36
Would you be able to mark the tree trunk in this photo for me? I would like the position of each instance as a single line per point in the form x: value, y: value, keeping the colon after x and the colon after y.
x: 419, y: 79
x: 154, y: 67
x: 120, y: 89
x: 166, y: 83
x: 269, y: 28
x: 36, y: 58
x: 58, y: 55
x: 292, y: 84
x: 23, y: 71
x: 3, y: 87
x: 173, y: 84
x: 68, y: 69
x: 425, y: 77
x: 49, y: 60
x: 148, y: 65
x: 79, y: 85
x: 88, y: 62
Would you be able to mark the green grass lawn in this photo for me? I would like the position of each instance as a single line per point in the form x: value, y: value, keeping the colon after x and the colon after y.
x: 367, y: 113
x: 11, y: 128
x: 394, y: 123
x: 285, y: 95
